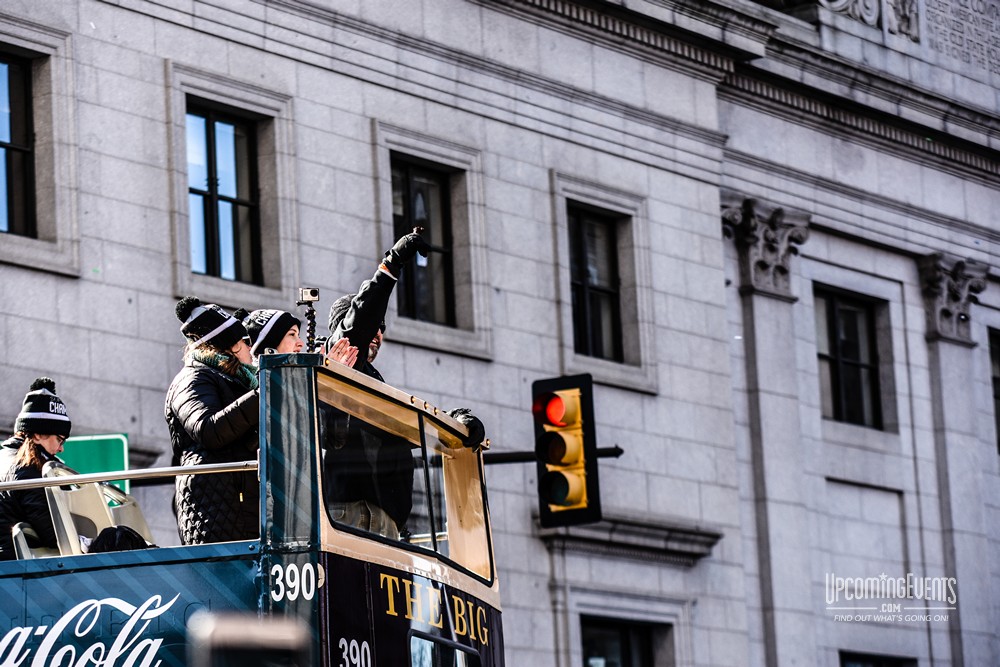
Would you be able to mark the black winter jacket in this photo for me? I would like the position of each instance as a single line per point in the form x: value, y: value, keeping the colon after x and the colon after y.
x: 28, y: 505
x: 360, y: 462
x: 213, y: 419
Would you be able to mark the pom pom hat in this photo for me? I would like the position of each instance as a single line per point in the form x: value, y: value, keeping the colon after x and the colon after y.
x: 267, y: 328
x: 207, y: 323
x: 43, y: 413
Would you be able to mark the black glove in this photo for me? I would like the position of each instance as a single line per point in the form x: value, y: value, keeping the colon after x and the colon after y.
x: 404, y: 250
x: 477, y: 432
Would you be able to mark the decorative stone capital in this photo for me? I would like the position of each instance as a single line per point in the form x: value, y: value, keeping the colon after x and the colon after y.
x: 950, y: 285
x: 766, y: 238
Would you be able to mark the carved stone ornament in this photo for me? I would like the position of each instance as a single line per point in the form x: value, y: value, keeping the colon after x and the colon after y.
x: 900, y: 17
x: 766, y: 241
x: 950, y: 286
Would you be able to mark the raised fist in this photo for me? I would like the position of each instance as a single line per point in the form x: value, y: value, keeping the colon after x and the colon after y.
x: 405, y: 248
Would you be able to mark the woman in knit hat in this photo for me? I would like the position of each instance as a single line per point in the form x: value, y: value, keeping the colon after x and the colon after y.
x: 39, y: 432
x: 212, y: 411
x: 278, y: 331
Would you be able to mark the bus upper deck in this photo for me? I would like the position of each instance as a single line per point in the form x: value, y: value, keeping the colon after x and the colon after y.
x: 419, y: 589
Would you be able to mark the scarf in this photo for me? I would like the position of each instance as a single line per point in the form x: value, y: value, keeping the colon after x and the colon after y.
x: 246, y: 374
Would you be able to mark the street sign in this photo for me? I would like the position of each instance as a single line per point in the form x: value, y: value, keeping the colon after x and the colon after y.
x: 98, y: 453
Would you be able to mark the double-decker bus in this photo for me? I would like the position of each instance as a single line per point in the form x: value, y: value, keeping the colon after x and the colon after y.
x: 427, y: 597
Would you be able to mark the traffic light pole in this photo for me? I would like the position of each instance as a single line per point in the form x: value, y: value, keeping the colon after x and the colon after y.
x: 530, y: 457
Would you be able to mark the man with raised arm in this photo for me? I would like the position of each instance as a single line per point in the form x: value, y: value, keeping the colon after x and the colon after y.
x: 368, y: 475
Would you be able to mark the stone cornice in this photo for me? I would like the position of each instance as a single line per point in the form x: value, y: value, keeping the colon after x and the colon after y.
x: 874, y: 88
x: 635, y: 538
x: 966, y: 159
x: 708, y: 37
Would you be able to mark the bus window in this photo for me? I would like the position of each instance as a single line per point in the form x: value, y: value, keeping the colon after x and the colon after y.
x: 432, y: 652
x: 395, y: 468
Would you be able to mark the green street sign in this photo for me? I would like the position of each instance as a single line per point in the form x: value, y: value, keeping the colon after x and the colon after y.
x: 98, y: 453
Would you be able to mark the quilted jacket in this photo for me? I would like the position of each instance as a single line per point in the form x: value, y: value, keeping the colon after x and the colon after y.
x: 213, y: 419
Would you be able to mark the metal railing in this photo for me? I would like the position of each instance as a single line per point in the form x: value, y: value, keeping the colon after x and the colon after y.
x: 144, y: 473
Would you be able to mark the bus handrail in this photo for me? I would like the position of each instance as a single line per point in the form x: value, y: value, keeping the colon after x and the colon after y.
x: 143, y: 473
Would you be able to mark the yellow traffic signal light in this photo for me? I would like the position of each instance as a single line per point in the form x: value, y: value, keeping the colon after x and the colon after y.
x: 566, y: 451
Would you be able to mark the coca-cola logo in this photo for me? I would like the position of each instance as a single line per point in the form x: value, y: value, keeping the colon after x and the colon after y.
x: 127, y: 648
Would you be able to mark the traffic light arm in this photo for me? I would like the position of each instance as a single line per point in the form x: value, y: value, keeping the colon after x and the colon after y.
x: 529, y: 457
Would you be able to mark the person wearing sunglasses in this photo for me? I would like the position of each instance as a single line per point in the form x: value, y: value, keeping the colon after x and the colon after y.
x: 212, y: 413
x: 368, y: 474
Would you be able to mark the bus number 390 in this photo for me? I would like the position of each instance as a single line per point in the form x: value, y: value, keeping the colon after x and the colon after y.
x: 354, y: 654
x: 290, y: 581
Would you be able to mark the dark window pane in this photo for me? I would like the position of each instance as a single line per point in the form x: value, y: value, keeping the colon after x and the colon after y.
x: 848, y: 365
x: 19, y: 199
x: 599, y: 254
x: 617, y: 643
x: 594, y: 283
x: 245, y: 233
x: 421, y: 197
x: 995, y: 363
x: 863, y: 660
x: 17, y: 215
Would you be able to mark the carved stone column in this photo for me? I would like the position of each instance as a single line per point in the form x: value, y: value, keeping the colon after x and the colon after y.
x: 767, y: 239
x: 950, y: 286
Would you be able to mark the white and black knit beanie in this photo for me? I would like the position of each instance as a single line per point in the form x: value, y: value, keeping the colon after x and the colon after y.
x: 208, y: 323
x: 267, y: 328
x: 43, y: 413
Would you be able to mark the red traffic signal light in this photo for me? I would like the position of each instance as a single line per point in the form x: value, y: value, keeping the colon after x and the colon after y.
x: 566, y: 451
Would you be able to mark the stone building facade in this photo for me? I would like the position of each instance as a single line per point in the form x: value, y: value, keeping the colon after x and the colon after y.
x: 787, y: 210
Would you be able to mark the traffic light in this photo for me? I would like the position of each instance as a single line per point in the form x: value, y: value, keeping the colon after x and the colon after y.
x: 569, y: 492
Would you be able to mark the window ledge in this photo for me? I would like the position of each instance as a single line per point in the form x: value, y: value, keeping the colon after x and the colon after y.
x: 637, y: 378
x: 634, y: 537
x: 852, y: 435
x: 60, y: 257
x: 475, y: 344
x: 227, y: 292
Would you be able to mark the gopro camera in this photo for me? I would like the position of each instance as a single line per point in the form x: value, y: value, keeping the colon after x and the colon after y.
x: 308, y: 294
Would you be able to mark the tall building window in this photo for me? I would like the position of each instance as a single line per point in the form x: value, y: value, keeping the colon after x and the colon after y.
x: 594, y: 282
x: 618, y: 643
x: 867, y: 660
x: 223, y: 198
x: 848, y: 358
x: 421, y: 196
x: 995, y: 373
x: 17, y: 214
